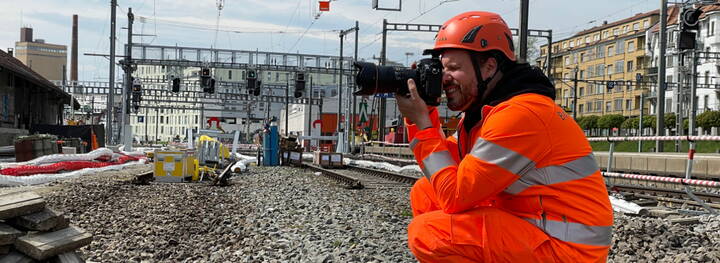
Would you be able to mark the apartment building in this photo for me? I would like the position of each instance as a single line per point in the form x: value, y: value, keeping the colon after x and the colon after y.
x: 607, y: 61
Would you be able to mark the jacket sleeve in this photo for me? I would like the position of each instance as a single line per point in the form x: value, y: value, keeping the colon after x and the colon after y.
x: 412, y: 129
x: 510, y: 140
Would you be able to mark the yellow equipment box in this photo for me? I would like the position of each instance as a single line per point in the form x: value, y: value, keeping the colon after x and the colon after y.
x: 175, y: 166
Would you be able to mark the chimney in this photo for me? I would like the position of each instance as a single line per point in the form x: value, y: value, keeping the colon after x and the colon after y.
x: 74, y: 51
x: 26, y: 34
x: 604, y: 22
x: 10, y: 51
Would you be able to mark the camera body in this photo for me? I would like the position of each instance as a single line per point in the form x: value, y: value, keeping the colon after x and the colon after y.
x: 427, y: 74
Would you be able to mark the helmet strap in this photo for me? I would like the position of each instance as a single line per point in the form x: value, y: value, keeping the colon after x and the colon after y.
x: 485, y: 86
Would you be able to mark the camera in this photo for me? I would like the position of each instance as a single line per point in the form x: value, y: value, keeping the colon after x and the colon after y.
x: 427, y: 74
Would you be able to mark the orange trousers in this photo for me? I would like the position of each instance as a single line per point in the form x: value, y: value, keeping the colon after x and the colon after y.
x: 483, y: 234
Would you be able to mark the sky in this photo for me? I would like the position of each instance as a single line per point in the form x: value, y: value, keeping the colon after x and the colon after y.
x: 289, y: 26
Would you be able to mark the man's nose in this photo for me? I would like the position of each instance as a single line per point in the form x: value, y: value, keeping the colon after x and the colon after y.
x: 447, y: 77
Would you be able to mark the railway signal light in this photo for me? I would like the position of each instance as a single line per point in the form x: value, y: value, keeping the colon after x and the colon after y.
x: 253, y: 85
x: 176, y: 85
x: 206, y: 81
x: 299, y: 84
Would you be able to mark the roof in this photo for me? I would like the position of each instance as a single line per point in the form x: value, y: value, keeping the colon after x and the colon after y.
x: 674, y: 13
x: 620, y: 22
x: 12, y: 64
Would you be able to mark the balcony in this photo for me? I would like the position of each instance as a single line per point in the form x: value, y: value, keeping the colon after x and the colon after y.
x: 651, y: 71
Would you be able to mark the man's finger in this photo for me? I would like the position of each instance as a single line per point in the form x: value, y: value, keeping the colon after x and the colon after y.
x: 413, y: 90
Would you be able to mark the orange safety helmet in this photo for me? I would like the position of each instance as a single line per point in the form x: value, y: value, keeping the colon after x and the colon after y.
x: 476, y: 31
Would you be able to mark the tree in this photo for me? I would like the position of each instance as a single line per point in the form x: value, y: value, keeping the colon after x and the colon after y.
x: 589, y: 122
x: 670, y: 120
x: 631, y: 123
x: 708, y: 119
x: 650, y: 121
x: 610, y: 121
x: 533, y: 48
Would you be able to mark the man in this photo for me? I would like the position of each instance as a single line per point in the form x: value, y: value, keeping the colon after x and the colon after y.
x: 518, y: 181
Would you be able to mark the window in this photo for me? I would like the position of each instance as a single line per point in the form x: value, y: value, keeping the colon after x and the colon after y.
x: 630, y: 46
x: 581, y: 91
x: 577, y: 42
x: 564, y: 45
x: 636, y: 26
x: 607, y: 106
x: 596, y: 37
x: 707, y: 77
x: 646, y: 24
x: 616, y: 32
x: 705, y: 102
x: 587, y: 39
x: 669, y: 61
x: 600, y: 50
x: 610, y: 69
x: 668, y: 102
x: 229, y: 74
x: 605, y: 34
x: 618, y: 104
x: 162, y: 119
x: 630, y: 66
x: 711, y: 29
x: 610, y: 51
x: 580, y: 108
x: 628, y: 104
x: 620, y: 47
x: 582, y: 57
x: 625, y: 29
x: 590, y: 71
x: 589, y: 106
x: 572, y: 44
x: 567, y: 60
x: 619, y: 66
x: 601, y: 70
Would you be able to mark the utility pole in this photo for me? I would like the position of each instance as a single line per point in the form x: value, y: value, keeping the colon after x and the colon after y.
x: 287, y: 102
x: 524, y: 6
x: 343, y: 136
x: 660, y: 94
x: 575, y: 93
x: 383, y: 100
x: 310, y: 117
x: 354, y: 97
x: 640, y: 129
x: 126, y: 130
x: 109, y: 138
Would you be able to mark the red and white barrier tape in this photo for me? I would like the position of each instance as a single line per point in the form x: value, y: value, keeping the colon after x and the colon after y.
x: 663, y: 179
x: 654, y: 138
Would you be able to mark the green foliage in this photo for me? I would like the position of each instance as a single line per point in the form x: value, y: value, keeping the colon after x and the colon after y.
x: 670, y: 120
x: 709, y: 119
x: 610, y: 121
x: 631, y: 123
x: 588, y: 122
x: 650, y: 121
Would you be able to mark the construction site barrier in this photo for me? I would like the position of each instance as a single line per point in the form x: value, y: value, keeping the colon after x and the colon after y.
x: 663, y: 179
x: 36, y: 179
x: 654, y: 138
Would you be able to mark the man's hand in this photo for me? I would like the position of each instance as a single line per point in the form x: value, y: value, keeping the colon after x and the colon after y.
x: 413, y: 107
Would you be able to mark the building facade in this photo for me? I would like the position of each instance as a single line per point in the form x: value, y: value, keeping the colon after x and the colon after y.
x: 607, y: 61
x: 708, y: 70
x: 26, y: 99
x: 46, y: 59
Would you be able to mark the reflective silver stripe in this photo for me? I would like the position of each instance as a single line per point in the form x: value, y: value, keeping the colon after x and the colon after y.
x: 414, y: 142
x: 575, y: 232
x: 436, y: 162
x: 501, y: 156
x: 576, y: 169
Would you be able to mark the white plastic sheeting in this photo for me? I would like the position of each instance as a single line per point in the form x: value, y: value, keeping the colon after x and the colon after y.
x: 56, y: 158
x: 243, y: 162
x: 626, y: 207
x: 7, y: 180
x: 383, y: 166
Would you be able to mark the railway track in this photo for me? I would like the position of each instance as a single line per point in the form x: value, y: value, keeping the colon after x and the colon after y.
x: 355, y: 177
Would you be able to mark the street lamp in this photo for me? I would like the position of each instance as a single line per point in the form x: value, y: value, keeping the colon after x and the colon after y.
x: 407, y: 55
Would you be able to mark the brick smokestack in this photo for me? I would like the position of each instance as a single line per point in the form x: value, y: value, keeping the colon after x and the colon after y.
x: 26, y: 34
x: 74, y: 51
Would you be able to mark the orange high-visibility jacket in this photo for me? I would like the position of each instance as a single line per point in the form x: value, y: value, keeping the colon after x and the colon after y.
x: 534, y: 161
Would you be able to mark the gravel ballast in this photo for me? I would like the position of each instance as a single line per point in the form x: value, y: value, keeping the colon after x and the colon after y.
x: 280, y: 214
